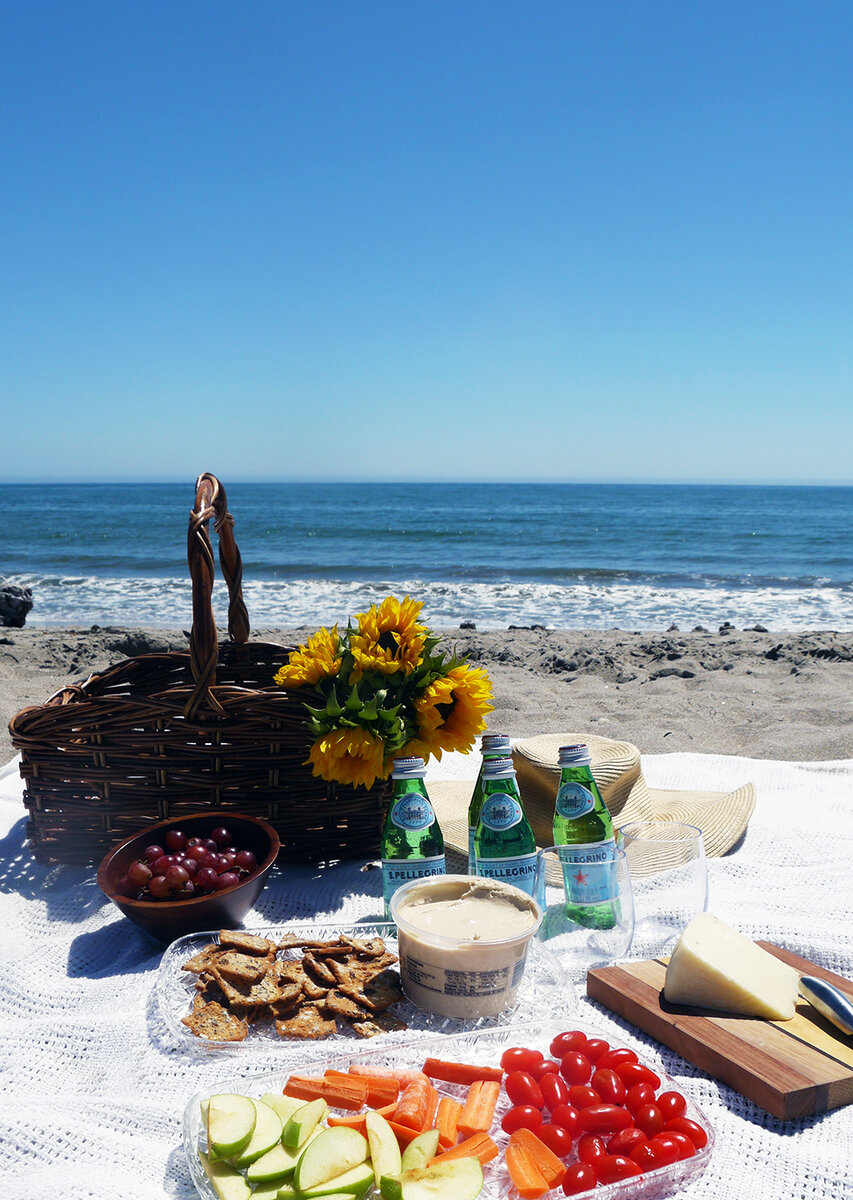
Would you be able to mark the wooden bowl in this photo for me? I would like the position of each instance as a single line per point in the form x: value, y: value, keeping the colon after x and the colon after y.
x: 169, y: 919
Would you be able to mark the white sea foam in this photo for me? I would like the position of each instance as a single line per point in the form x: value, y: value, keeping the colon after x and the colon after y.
x: 166, y: 602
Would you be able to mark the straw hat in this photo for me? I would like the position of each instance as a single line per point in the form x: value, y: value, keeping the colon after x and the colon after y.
x: 722, y: 816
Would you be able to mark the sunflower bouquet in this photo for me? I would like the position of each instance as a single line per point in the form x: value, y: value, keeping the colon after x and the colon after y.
x: 383, y: 689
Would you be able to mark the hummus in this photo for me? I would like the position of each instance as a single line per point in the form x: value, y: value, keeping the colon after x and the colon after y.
x: 463, y: 943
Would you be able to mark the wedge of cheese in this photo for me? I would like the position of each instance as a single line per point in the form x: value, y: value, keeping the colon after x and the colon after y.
x: 713, y: 966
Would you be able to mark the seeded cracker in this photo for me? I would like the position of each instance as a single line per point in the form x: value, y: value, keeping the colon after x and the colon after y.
x: 241, y: 968
x: 308, y: 1023
x: 378, y: 993
x: 202, y: 959
x: 380, y: 1023
x: 235, y: 939
x: 210, y: 1020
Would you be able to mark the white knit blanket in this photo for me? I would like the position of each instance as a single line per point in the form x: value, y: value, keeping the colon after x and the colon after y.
x: 93, y: 1091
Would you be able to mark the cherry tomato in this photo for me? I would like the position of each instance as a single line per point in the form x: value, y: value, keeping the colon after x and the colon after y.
x: 609, y: 1086
x: 686, y: 1148
x: 581, y: 1095
x: 626, y: 1140
x: 573, y: 1039
x: 631, y: 1073
x: 567, y: 1117
x: 579, y: 1178
x: 604, y: 1118
x: 591, y: 1149
x: 613, y: 1167
x: 523, y: 1116
x: 575, y: 1067
x: 646, y: 1156
x: 555, y: 1138
x: 546, y: 1067
x: 650, y: 1120
x: 666, y: 1148
x: 695, y: 1132
x: 594, y: 1049
x: 637, y: 1096
x: 519, y: 1058
x: 554, y: 1091
x: 615, y: 1058
x: 671, y: 1104
x: 523, y: 1089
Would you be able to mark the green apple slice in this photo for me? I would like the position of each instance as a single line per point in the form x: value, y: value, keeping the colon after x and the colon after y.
x: 418, y: 1153
x: 230, y: 1124
x: 459, y: 1179
x: 266, y: 1134
x: 278, y: 1163
x: 351, y: 1184
x: 384, y: 1147
x: 270, y: 1191
x: 225, y: 1180
x: 303, y: 1123
x: 285, y: 1106
x: 335, y: 1152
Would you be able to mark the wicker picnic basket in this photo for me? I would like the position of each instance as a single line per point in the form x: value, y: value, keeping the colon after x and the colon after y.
x: 161, y: 735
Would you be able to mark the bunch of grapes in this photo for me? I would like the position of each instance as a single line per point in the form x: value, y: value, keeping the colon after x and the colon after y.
x: 187, y: 866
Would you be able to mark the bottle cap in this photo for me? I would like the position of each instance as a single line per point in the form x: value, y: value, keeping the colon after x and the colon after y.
x: 495, y: 741
x: 498, y: 768
x: 408, y: 768
x: 574, y: 756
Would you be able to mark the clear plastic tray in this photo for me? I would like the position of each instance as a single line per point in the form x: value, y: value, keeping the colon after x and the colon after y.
x: 480, y: 1046
x: 545, y: 988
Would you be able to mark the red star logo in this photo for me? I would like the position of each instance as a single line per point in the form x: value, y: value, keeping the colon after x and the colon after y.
x: 580, y: 878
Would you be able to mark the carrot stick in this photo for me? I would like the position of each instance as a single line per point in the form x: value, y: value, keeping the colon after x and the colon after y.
x: 414, y: 1105
x: 380, y: 1090
x: 479, y: 1145
x: 544, y: 1159
x: 432, y: 1108
x: 447, y: 1120
x: 357, y: 1122
x: 464, y: 1073
x: 401, y: 1075
x: 479, y: 1109
x: 337, y: 1093
x: 524, y: 1173
x: 403, y: 1133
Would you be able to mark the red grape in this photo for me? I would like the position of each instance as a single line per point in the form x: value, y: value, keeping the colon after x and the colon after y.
x: 246, y: 861
x: 176, y: 839
x: 222, y: 837
x: 226, y: 880
x: 139, y: 874
x: 176, y: 877
x: 206, y: 879
x: 159, y: 888
x: 152, y: 853
x: 126, y: 887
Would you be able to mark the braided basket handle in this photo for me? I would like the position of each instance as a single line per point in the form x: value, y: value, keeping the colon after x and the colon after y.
x: 211, y: 501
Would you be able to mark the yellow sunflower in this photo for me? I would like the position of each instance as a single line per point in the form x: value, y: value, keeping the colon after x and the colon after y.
x: 451, y: 712
x: 389, y: 638
x: 310, y: 663
x: 351, y: 756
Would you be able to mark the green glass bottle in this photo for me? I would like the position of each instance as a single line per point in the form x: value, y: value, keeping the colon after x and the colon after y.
x: 583, y: 831
x: 493, y: 745
x: 504, y: 845
x: 412, y: 843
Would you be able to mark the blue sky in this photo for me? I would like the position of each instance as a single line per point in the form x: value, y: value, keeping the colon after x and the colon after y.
x: 464, y: 240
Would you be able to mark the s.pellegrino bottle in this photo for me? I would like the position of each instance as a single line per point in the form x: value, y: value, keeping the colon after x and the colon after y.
x: 412, y: 844
x: 504, y: 845
x: 583, y: 833
x: 493, y: 745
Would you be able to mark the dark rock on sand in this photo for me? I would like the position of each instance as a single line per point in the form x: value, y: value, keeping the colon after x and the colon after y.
x: 15, y: 603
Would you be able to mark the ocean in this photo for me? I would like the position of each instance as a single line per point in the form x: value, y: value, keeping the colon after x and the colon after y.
x: 568, y: 556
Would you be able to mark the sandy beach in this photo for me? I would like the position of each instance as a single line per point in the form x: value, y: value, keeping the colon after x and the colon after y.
x: 783, y: 696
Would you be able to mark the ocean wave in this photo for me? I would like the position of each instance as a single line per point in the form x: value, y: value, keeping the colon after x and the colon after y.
x: 167, y: 602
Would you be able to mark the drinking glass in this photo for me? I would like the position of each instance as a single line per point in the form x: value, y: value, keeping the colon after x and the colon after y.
x: 669, y: 879
x: 578, y: 945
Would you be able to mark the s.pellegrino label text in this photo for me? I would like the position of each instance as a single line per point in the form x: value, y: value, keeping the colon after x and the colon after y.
x: 589, y: 872
x: 397, y: 871
x: 519, y: 870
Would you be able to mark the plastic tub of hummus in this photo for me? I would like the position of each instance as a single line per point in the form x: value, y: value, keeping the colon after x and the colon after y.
x: 463, y: 943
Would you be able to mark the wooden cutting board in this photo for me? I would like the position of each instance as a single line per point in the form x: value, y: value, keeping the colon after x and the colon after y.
x: 789, y: 1068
